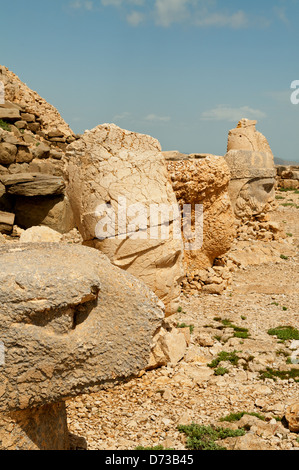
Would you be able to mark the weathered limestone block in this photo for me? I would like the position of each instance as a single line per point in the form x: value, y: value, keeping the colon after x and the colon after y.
x: 24, y: 155
x: 9, y: 114
x: 40, y: 235
x: 70, y: 323
x: 204, y: 181
x: 6, y: 222
x: 33, y: 184
x: 41, y: 428
x: 292, y: 417
x: 41, y: 151
x: 8, y: 153
x: 115, y: 177
x: 38, y: 199
x: 54, y: 212
x: 253, y: 173
x: 289, y: 184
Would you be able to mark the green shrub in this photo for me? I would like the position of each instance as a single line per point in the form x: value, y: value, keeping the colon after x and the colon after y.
x: 204, y: 437
x: 284, y: 333
x: 221, y: 371
x: 5, y: 126
x: 183, y: 325
x: 281, y: 374
x: 237, y: 416
x: 224, y: 356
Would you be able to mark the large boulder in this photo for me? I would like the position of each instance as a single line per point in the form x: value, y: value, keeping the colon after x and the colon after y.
x: 70, y: 323
x: 116, y: 183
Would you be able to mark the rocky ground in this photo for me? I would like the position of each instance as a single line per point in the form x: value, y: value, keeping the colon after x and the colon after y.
x: 147, y: 410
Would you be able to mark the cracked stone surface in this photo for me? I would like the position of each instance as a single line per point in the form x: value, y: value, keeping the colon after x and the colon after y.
x: 108, y: 163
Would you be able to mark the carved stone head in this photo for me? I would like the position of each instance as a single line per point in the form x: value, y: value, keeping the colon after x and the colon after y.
x: 115, y: 179
x: 70, y: 323
x: 252, y: 168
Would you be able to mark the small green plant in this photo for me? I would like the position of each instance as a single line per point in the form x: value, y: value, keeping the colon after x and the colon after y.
x: 239, y: 332
x: 232, y: 417
x: 183, y: 325
x: 220, y: 371
x: 284, y: 309
x: 284, y: 257
x: 284, y: 333
x: 243, y: 317
x: 204, y: 437
x: 180, y: 309
x: 279, y: 197
x: 224, y: 356
x: 281, y: 374
x: 289, y: 234
x: 282, y: 352
x: 275, y: 303
x: 290, y: 204
x: 5, y: 126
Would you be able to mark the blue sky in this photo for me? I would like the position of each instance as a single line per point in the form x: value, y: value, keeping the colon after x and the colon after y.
x: 183, y: 71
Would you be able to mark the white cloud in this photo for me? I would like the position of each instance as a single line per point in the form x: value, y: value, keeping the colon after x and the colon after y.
x: 135, y: 18
x: 236, y: 20
x: 119, y: 117
x: 223, y: 113
x: 117, y: 3
x: 156, y: 118
x: 114, y: 3
x: 171, y: 11
x: 280, y: 12
x: 85, y: 4
x: 165, y: 13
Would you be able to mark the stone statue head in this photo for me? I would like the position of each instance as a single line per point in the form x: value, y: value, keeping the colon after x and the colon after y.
x: 70, y: 323
x: 252, y: 169
x: 114, y: 180
x: 255, y: 197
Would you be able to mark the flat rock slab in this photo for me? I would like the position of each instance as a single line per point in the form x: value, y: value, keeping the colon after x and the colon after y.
x: 33, y: 184
x: 11, y: 114
x: 70, y: 323
x: 6, y: 221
